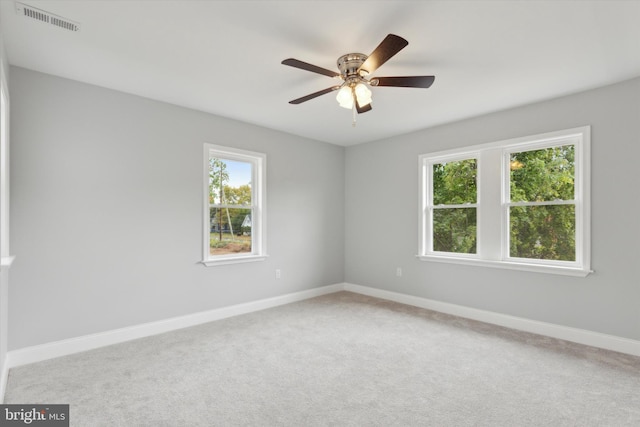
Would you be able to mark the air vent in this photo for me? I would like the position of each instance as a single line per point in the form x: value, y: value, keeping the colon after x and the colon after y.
x: 46, y: 17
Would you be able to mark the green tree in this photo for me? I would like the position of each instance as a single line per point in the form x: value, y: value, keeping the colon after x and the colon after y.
x: 454, y: 183
x: 537, y: 231
x: 543, y: 231
x: 543, y: 175
x: 238, y: 196
x: 454, y: 229
x: 218, y: 177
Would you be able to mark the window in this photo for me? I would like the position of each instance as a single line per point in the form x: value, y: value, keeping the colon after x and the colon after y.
x: 519, y: 204
x: 234, y: 218
x: 452, y: 205
x: 541, y: 204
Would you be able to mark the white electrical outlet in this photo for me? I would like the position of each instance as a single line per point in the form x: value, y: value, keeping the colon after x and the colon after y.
x: 278, y: 274
x: 398, y: 272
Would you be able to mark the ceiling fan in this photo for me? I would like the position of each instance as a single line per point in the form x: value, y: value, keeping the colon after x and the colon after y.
x: 353, y: 92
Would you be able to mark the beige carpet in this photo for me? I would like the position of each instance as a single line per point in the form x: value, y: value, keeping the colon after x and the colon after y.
x: 339, y: 360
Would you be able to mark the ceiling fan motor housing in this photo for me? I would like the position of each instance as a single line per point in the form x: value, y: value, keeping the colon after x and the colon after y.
x: 350, y: 63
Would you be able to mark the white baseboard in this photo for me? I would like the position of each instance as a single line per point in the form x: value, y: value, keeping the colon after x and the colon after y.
x: 50, y: 350
x: 88, y: 342
x: 580, y: 336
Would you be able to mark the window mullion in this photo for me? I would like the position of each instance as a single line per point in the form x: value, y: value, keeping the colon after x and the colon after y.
x: 489, y: 211
x: 463, y: 205
x: 543, y: 203
x: 229, y: 206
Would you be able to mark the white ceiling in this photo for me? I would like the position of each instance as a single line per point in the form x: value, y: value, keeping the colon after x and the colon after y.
x: 223, y: 57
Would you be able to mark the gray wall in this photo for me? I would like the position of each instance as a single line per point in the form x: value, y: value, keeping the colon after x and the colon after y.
x: 106, y: 208
x: 106, y: 213
x: 382, y: 217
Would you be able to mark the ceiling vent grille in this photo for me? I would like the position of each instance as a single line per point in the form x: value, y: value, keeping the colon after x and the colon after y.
x: 46, y: 17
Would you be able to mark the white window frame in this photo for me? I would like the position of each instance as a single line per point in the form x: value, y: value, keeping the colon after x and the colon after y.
x: 429, y: 207
x: 6, y: 258
x: 258, y: 203
x: 493, y: 159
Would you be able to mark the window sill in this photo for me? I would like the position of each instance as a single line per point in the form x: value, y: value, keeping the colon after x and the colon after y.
x: 510, y: 265
x: 233, y: 260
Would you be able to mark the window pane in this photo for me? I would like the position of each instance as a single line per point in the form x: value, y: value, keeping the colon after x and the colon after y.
x: 543, y: 232
x: 454, y: 230
x: 543, y: 175
x: 229, y: 182
x: 454, y: 183
x: 230, y: 231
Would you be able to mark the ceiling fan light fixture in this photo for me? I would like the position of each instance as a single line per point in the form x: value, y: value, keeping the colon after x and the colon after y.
x: 348, y: 94
x: 345, y: 97
x: 363, y: 94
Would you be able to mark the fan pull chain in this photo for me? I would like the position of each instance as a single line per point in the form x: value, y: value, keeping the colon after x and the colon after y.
x: 353, y: 111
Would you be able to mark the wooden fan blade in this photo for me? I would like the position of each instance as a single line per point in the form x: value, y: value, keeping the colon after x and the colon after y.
x: 406, y: 81
x: 391, y: 45
x: 364, y: 109
x: 309, y: 67
x: 314, y: 95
